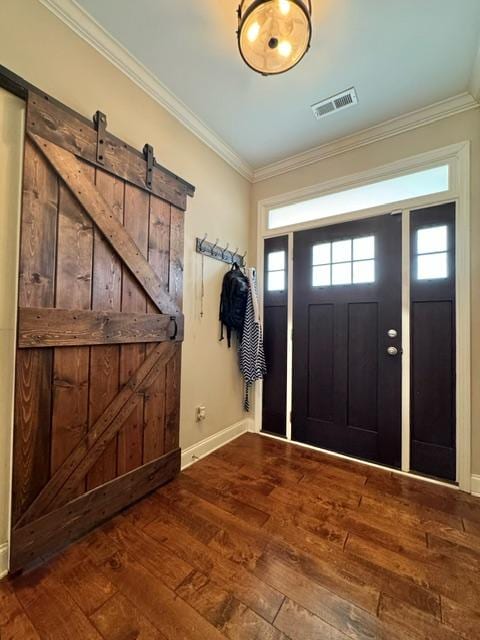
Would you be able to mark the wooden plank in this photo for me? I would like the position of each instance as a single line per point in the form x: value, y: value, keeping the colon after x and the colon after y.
x: 174, y: 618
x: 89, y: 449
x: 155, y: 399
x: 31, y: 451
x: 172, y: 409
x: 136, y: 223
x: 52, y: 610
x: 250, y: 590
x: 73, y: 291
x: 76, y: 134
x: 72, y: 173
x: 119, y: 619
x: 38, y: 230
x: 14, y: 622
x: 224, y: 611
x: 106, y: 297
x: 31, y: 467
x: 300, y: 624
x: 76, y: 327
x: 60, y: 527
x: 175, y: 286
x: 158, y: 559
x: 406, y: 621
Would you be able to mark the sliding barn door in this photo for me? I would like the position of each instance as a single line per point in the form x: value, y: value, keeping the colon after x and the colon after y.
x: 99, y: 331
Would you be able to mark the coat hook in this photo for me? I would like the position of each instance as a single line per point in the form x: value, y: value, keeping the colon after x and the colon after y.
x: 200, y: 246
x: 243, y: 257
x: 234, y: 254
x: 212, y: 250
x: 225, y: 250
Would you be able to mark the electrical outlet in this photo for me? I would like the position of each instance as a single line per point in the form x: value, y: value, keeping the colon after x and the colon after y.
x: 201, y: 413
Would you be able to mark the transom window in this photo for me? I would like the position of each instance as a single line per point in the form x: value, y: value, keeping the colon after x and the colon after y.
x: 367, y: 196
x: 276, y: 271
x: 350, y: 261
x: 432, y: 253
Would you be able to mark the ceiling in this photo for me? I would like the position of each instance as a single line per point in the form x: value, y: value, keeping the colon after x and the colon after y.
x: 400, y: 56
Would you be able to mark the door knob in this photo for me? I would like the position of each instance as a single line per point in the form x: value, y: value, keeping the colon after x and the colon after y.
x: 392, y: 351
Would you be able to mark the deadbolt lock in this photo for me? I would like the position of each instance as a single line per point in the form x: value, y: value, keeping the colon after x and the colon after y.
x: 392, y: 333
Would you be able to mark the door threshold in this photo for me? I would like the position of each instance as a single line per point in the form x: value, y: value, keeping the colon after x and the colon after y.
x: 408, y: 474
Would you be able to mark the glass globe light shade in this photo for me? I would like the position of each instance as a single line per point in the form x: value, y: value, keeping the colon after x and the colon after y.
x: 274, y: 35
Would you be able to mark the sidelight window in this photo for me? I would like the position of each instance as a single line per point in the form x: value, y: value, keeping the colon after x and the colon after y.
x: 276, y: 271
x: 344, y: 262
x: 432, y: 253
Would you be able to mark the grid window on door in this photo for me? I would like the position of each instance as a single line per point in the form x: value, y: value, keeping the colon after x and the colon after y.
x: 432, y: 253
x: 350, y: 261
x: 276, y: 271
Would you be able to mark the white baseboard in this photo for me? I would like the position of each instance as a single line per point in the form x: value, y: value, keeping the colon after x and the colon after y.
x: 204, y: 447
x: 3, y: 560
x: 476, y: 486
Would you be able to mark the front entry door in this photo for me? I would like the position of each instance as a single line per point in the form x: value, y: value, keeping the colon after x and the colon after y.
x: 347, y: 340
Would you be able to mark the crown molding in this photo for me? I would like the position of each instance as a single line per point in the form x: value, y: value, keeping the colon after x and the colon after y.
x: 85, y: 26
x: 395, y: 126
x: 474, y: 86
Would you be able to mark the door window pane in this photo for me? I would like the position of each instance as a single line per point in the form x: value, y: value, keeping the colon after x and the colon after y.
x: 342, y: 273
x: 276, y: 281
x: 432, y: 266
x: 364, y: 271
x: 432, y: 252
x: 322, y: 253
x: 276, y: 270
x: 344, y: 262
x: 364, y: 248
x: 342, y: 251
x: 321, y: 276
x: 432, y: 239
x: 276, y: 261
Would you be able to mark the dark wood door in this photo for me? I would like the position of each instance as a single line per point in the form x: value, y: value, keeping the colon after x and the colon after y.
x: 433, y: 338
x: 347, y: 297
x: 100, y: 330
x: 275, y: 320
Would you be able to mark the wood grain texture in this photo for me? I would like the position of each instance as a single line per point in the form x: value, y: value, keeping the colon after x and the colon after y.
x: 73, y: 276
x: 134, y: 300
x: 86, y: 511
x: 31, y: 466
x: 65, y: 328
x: 69, y: 130
x: 72, y: 173
x: 98, y: 375
x: 193, y: 561
x: 93, y: 444
x: 106, y: 297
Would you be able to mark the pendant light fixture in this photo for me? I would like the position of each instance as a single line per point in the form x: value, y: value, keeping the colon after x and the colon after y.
x: 274, y: 35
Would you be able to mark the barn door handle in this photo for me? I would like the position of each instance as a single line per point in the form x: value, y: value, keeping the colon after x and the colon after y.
x: 175, y: 327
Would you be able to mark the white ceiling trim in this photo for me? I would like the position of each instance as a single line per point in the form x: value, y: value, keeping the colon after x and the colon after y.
x: 387, y: 129
x: 474, y: 86
x: 84, y: 25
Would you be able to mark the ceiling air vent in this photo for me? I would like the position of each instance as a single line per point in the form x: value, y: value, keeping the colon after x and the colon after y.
x: 342, y: 100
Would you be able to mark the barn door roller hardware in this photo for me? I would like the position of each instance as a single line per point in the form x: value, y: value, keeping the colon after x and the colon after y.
x: 148, y: 153
x: 100, y: 122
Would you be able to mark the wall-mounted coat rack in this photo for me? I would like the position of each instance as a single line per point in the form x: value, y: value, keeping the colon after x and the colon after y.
x: 214, y: 250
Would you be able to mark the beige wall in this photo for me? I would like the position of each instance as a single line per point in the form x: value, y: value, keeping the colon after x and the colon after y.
x: 11, y: 134
x: 465, y: 126
x: 40, y: 48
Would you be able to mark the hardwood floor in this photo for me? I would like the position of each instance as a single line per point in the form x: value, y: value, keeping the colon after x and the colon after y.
x: 265, y: 540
